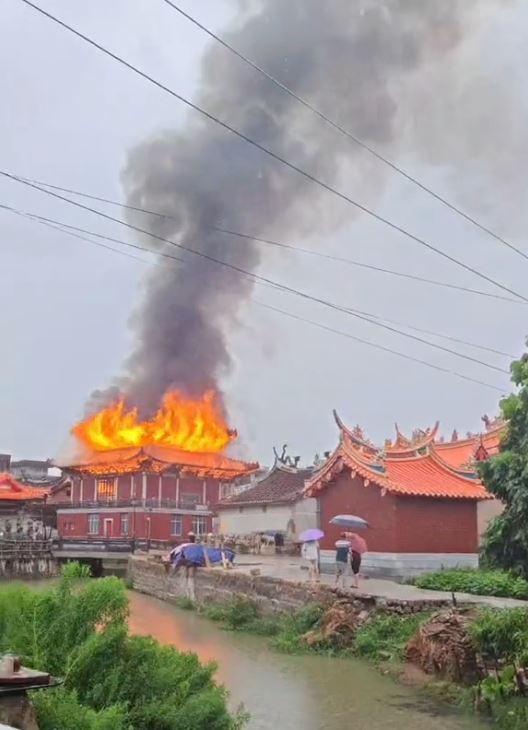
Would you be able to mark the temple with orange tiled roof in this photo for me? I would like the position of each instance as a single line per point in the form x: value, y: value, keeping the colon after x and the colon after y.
x: 146, y: 493
x: 419, y: 494
x: 18, y: 504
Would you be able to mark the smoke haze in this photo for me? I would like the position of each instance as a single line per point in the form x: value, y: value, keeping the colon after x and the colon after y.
x: 355, y: 62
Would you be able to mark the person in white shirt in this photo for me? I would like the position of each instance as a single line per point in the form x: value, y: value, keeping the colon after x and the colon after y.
x: 310, y: 552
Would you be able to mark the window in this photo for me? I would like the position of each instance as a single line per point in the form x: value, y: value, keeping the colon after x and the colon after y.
x: 124, y: 524
x: 189, y: 500
x: 176, y: 525
x: 106, y: 488
x: 199, y: 525
x: 93, y: 524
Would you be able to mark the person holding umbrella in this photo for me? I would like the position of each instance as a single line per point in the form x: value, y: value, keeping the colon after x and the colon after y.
x: 311, y: 552
x: 358, y: 545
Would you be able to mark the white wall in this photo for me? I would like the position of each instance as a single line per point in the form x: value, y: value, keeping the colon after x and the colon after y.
x: 257, y: 518
x: 486, y: 511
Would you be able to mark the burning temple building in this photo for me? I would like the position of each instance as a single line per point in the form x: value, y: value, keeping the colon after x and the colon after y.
x: 151, y: 480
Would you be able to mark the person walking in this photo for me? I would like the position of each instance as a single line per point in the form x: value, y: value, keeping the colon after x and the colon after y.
x: 358, y: 546
x: 310, y: 552
x: 342, y: 560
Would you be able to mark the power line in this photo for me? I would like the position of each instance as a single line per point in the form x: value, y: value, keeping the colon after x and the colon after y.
x: 288, y: 246
x: 270, y: 153
x: 345, y: 132
x: 378, y: 346
x: 262, y: 304
x: 276, y: 286
x: 258, y: 277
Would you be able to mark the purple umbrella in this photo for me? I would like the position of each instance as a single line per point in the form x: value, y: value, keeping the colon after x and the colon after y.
x: 312, y: 534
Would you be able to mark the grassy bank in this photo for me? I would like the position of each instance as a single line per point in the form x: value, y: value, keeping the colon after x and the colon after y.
x: 500, y: 636
x: 383, y: 638
x: 476, y: 582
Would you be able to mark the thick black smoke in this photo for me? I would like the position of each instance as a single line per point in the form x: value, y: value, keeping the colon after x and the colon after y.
x: 349, y: 59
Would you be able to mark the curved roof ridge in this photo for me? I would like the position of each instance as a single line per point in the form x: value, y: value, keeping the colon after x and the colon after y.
x: 403, y: 444
x: 353, y: 433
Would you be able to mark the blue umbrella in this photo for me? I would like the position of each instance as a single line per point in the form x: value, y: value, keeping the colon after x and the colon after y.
x: 352, y: 521
x: 312, y: 534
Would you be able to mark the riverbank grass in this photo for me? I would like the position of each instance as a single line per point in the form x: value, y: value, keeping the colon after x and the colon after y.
x: 499, y: 634
x: 476, y: 582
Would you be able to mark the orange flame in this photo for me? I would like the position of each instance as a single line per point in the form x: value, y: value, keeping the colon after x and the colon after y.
x: 180, y: 422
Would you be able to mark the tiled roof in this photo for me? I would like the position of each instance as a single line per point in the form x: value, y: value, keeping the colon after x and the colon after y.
x: 459, y: 454
x: 158, y: 459
x: 424, y: 475
x: 281, y: 484
x: 12, y: 490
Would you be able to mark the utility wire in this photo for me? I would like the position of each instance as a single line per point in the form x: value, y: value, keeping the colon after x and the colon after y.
x: 288, y: 246
x: 256, y: 277
x: 345, y: 132
x: 61, y: 229
x: 62, y: 225
x: 270, y: 153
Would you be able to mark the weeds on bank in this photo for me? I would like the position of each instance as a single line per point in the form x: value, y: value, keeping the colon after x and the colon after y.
x: 382, y: 638
x: 476, y: 582
x: 385, y: 637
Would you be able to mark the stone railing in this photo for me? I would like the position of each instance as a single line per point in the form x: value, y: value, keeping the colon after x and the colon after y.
x: 270, y: 594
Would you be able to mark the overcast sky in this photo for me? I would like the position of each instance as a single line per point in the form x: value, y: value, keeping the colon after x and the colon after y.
x: 70, y: 116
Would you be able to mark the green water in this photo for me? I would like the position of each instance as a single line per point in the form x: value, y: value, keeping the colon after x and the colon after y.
x: 290, y: 692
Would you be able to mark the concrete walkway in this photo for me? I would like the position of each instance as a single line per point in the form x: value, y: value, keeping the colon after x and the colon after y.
x: 291, y: 568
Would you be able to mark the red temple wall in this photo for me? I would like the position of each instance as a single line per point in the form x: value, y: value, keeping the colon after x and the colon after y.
x: 399, y: 524
x: 349, y: 496
x: 428, y: 525
x: 73, y: 524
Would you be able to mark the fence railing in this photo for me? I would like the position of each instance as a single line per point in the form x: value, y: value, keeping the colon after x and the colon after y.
x: 24, y: 549
x: 137, y: 503
x: 111, y: 544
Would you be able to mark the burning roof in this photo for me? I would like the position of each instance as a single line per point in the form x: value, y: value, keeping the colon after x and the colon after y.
x: 159, y: 459
x: 194, y: 425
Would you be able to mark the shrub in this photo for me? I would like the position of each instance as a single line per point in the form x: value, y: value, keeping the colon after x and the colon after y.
x: 476, y: 582
x: 112, y: 681
x: 236, y: 615
x: 62, y: 709
x: 162, y: 688
x: 75, y: 570
x: 292, y: 627
x: 501, y: 633
x: 385, y: 637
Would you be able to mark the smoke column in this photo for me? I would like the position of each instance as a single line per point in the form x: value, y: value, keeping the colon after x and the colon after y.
x: 349, y: 59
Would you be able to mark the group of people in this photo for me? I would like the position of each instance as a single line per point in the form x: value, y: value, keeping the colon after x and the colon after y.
x: 349, y: 549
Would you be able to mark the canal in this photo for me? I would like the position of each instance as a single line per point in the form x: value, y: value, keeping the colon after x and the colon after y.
x: 293, y: 692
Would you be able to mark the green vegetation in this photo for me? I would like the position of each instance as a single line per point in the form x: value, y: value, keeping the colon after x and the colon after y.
x: 499, y: 635
x: 476, y: 582
x: 506, y: 477
x: 112, y: 681
x: 381, y: 638
x: 385, y: 637
x: 502, y: 634
x: 502, y: 637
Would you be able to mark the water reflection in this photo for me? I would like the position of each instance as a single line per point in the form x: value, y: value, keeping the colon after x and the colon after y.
x: 288, y: 692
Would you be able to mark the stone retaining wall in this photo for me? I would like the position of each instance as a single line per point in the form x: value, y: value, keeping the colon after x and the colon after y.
x: 270, y: 594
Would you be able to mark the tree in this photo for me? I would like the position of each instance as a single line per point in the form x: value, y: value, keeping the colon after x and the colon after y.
x: 506, y: 477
